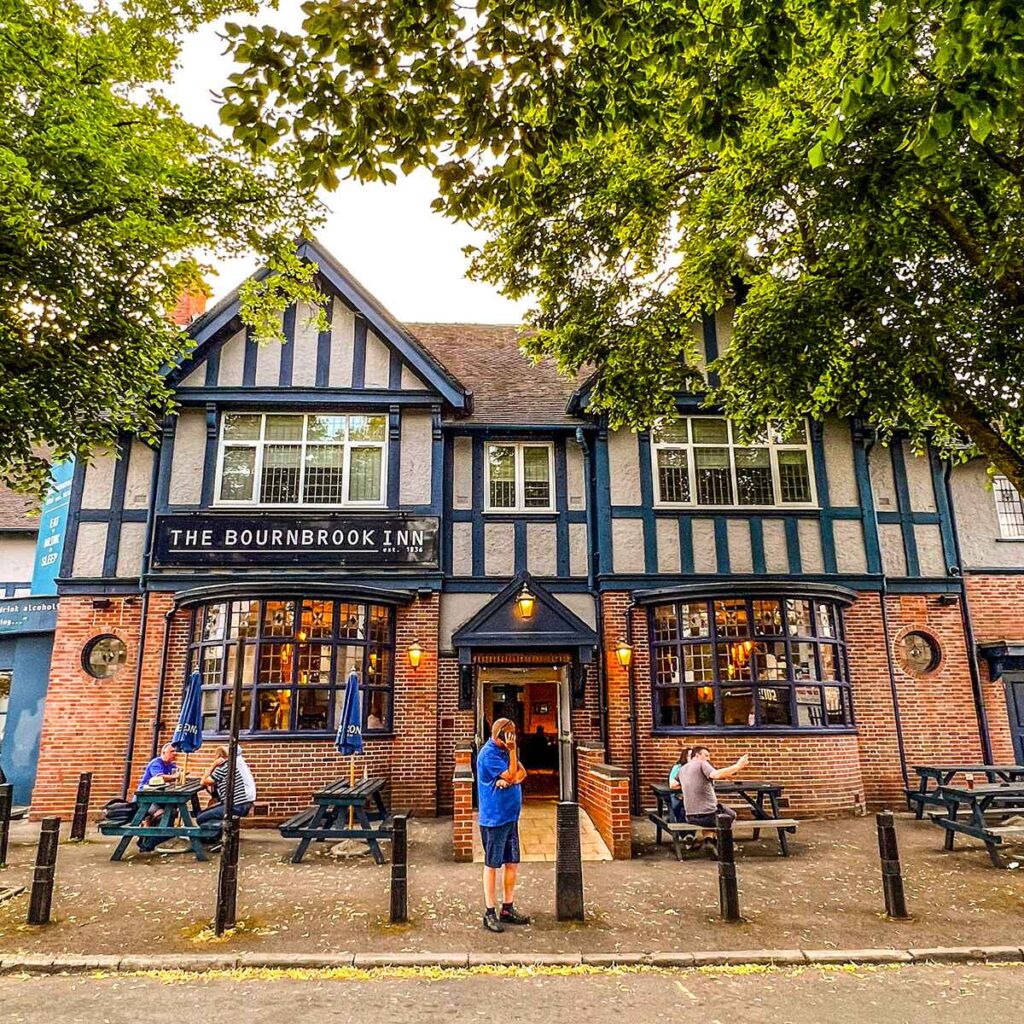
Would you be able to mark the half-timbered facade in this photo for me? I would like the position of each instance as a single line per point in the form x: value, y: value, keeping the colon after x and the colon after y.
x: 420, y: 505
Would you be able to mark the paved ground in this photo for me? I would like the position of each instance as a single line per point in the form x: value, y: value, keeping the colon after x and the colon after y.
x: 537, y: 835
x: 827, y: 895
x: 901, y: 995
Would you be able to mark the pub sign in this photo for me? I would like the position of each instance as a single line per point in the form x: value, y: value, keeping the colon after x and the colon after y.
x: 362, y: 541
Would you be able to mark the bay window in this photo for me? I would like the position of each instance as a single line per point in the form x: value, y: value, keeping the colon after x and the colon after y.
x: 292, y: 459
x: 740, y: 662
x: 299, y: 656
x: 698, y: 460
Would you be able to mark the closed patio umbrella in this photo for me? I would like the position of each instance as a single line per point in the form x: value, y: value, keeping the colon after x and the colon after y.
x: 349, y: 740
x: 188, y: 733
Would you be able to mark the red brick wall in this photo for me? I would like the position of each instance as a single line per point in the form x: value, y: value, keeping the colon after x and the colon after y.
x: 821, y: 774
x: 604, y: 795
x: 997, y: 613
x: 462, y: 814
x: 85, y: 727
x: 937, y: 710
x: 837, y: 774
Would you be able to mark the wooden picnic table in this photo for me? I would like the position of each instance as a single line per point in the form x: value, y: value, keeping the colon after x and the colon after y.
x: 175, y: 802
x: 328, y: 818
x: 986, y: 805
x: 756, y: 795
x: 932, y: 776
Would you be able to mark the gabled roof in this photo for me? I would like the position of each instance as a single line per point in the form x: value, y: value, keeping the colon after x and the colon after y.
x: 14, y: 512
x: 507, y: 387
x: 209, y: 327
x: 552, y: 624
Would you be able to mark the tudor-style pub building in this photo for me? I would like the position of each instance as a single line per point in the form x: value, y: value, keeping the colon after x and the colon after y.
x: 420, y: 505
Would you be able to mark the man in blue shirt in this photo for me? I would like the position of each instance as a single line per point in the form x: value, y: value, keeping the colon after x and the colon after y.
x: 162, y: 767
x: 500, y: 798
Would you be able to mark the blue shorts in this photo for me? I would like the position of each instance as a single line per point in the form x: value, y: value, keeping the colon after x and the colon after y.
x: 501, y: 844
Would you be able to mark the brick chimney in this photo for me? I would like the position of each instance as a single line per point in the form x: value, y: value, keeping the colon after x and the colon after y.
x: 191, y: 303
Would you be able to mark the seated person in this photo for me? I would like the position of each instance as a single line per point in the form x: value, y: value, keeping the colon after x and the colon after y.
x: 162, y: 769
x: 675, y: 799
x: 215, y: 781
x: 697, y: 778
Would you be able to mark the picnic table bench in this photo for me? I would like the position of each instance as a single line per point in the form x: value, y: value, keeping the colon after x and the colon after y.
x: 933, y: 776
x: 175, y: 802
x: 754, y: 794
x: 986, y: 805
x: 327, y: 819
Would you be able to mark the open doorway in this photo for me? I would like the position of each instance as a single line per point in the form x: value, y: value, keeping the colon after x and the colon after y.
x: 532, y: 697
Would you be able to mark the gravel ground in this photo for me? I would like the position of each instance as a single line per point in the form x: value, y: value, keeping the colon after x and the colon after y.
x: 826, y: 896
x: 901, y: 995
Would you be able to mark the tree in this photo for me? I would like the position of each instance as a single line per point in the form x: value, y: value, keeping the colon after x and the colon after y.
x: 108, y: 198
x: 854, y: 171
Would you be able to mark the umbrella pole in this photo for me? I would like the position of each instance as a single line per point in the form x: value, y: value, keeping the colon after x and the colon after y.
x: 351, y: 782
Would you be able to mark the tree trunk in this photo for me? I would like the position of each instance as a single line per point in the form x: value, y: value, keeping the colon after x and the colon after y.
x: 966, y: 415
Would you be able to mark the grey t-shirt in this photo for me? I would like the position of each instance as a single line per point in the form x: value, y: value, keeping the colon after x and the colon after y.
x: 698, y: 789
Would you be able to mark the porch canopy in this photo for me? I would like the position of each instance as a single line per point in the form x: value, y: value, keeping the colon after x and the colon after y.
x: 500, y: 624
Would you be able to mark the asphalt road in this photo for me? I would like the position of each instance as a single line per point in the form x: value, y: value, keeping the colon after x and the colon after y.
x: 932, y: 994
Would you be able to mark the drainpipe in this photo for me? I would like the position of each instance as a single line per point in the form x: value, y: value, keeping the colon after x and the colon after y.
x: 168, y: 615
x: 882, y: 594
x: 968, y: 625
x: 633, y: 730
x: 154, y: 477
x: 602, y: 702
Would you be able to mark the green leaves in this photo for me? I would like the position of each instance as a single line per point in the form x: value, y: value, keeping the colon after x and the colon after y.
x: 855, y: 169
x: 107, y: 195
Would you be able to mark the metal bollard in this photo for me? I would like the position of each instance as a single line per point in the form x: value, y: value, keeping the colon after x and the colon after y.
x: 892, y: 875
x: 6, y: 802
x: 400, y: 869
x: 568, y: 863
x: 42, y: 880
x: 227, y: 878
x: 81, y: 817
x: 728, y: 889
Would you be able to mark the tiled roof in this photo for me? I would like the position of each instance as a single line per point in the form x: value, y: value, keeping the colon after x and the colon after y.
x: 507, y: 387
x: 14, y: 509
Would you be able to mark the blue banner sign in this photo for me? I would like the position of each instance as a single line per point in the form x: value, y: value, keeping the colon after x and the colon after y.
x: 53, y: 522
x: 28, y: 615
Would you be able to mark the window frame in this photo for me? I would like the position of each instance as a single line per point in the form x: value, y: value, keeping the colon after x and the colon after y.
x: 712, y: 640
x: 225, y: 643
x: 520, y: 507
x: 731, y: 445
x: 260, y: 444
x: 1002, y: 484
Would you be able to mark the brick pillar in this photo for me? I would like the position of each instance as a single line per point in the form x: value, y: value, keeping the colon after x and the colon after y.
x: 604, y: 795
x: 462, y: 784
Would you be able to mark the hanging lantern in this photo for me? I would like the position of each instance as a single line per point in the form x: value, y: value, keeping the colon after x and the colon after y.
x: 525, y: 603
x: 624, y: 652
x: 415, y: 653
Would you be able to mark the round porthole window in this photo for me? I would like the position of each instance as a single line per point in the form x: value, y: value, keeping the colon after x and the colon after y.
x: 919, y: 653
x: 104, y: 656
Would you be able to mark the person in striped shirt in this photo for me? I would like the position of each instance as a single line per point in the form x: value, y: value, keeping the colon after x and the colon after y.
x: 216, y: 780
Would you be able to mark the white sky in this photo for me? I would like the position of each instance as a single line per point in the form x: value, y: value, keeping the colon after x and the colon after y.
x: 409, y: 257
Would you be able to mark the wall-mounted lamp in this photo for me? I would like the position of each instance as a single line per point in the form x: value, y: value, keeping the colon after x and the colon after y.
x: 624, y: 652
x: 525, y: 603
x: 415, y: 653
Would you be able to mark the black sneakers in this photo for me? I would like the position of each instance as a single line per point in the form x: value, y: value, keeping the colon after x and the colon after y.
x: 491, y: 922
x: 512, y: 916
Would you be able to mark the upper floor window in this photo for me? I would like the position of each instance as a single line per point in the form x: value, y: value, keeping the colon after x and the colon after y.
x: 1009, y: 508
x: 289, y: 459
x: 519, y: 477
x: 699, y: 461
